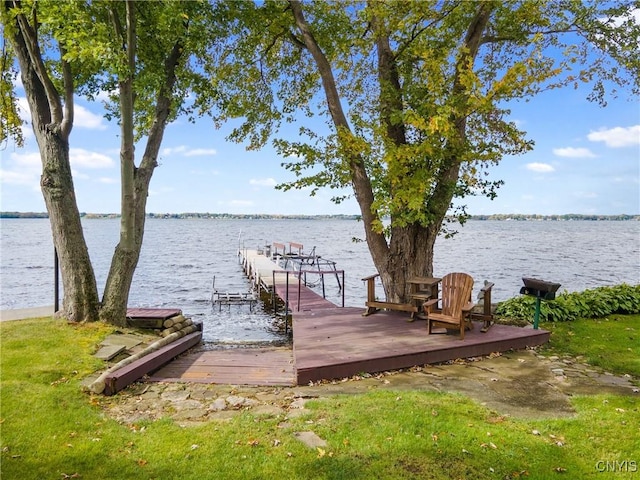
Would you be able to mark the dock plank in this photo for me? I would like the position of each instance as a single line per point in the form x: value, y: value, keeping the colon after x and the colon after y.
x: 240, y: 366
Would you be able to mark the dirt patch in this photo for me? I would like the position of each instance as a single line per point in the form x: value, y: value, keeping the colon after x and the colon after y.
x: 520, y: 384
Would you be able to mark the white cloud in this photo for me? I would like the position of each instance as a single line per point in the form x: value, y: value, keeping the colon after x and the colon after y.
x: 105, y: 96
x: 23, y: 109
x: 197, y: 152
x: 18, y: 178
x: 174, y: 150
x: 107, y: 180
x: 263, y: 182
x: 241, y: 203
x: 79, y: 175
x: 540, y: 167
x: 22, y: 169
x: 29, y: 160
x: 617, y: 137
x: 25, y: 116
x: 586, y: 195
x: 571, y: 152
x: 188, y: 152
x: 80, y: 157
x: 634, y: 13
x: 161, y: 191
x: 83, y: 118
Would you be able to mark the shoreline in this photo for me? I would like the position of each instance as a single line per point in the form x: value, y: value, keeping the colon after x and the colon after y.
x: 26, y: 313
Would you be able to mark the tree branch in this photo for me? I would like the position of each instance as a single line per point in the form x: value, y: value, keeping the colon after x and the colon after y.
x: 67, y: 78
x: 359, y: 178
x: 444, y: 189
x: 30, y: 37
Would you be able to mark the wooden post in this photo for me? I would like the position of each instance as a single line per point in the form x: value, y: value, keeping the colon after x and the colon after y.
x: 56, y: 281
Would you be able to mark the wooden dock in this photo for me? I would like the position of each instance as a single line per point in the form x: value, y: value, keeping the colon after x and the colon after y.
x: 332, y: 342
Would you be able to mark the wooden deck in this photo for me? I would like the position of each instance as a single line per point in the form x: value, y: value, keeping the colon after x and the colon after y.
x: 331, y: 342
x: 340, y: 342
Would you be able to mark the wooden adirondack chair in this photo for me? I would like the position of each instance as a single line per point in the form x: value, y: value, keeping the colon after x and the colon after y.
x: 455, y: 302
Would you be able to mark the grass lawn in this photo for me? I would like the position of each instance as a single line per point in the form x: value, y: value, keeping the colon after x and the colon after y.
x: 50, y: 429
x: 611, y: 343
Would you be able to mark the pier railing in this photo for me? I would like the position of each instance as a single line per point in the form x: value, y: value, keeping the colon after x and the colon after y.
x: 311, y: 296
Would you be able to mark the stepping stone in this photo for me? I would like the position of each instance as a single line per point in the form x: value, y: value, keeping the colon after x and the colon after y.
x: 128, y: 340
x: 109, y: 351
x: 310, y: 439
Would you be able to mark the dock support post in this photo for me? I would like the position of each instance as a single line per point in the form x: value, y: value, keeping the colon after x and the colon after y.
x: 286, y: 306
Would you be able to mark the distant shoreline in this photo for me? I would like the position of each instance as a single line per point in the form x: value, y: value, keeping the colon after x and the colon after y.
x: 258, y: 216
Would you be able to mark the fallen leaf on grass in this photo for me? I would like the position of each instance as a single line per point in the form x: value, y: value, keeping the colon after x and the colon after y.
x: 490, y: 444
x: 73, y: 475
x: 59, y: 381
x: 142, y: 462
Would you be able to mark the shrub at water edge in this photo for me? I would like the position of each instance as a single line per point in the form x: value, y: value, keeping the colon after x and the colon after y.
x: 592, y: 303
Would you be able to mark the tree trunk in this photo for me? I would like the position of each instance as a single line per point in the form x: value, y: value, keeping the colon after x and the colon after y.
x: 410, y: 255
x: 127, y: 254
x: 52, y: 125
x: 80, y: 301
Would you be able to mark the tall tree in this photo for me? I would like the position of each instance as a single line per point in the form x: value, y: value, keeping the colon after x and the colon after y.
x: 50, y: 98
x: 416, y: 98
x: 139, y: 50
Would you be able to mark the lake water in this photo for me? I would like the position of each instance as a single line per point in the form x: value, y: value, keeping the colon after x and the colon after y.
x: 180, y: 257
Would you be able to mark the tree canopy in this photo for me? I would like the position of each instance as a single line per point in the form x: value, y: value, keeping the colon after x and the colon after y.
x: 415, y: 96
x: 143, y: 57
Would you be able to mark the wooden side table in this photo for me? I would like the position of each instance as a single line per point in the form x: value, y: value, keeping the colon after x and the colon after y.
x: 423, y: 289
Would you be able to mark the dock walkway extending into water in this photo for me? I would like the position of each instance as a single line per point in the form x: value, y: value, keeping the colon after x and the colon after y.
x: 334, y: 342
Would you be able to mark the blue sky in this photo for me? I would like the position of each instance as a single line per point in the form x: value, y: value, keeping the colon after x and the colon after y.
x: 586, y: 160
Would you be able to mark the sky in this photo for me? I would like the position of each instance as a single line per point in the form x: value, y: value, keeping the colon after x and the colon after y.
x: 586, y: 160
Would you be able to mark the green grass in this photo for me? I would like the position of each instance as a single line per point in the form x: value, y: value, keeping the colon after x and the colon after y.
x: 51, y: 429
x: 611, y: 343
